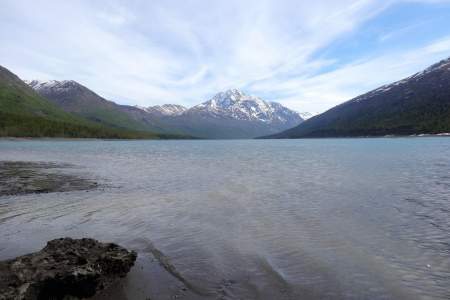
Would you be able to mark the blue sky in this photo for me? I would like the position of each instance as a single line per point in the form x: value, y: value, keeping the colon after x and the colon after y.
x: 306, y: 55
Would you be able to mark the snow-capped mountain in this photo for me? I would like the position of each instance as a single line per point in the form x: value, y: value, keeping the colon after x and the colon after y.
x: 235, y: 104
x: 166, y: 109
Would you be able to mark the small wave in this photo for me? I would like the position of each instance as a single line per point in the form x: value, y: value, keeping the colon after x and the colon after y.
x: 165, y: 262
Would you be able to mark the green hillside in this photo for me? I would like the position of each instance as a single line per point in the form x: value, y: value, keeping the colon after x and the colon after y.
x: 24, y: 113
x: 74, y: 98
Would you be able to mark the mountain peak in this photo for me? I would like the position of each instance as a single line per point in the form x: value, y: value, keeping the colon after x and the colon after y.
x: 233, y: 92
x: 235, y: 104
x: 228, y: 97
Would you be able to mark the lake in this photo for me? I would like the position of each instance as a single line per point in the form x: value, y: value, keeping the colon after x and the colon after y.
x: 251, y: 219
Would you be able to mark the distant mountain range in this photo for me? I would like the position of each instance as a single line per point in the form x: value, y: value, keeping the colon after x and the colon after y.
x: 419, y: 104
x: 24, y: 113
x: 230, y: 114
x: 77, y: 99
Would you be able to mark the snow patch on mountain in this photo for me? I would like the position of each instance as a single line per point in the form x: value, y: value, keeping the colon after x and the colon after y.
x: 165, y: 110
x: 307, y: 115
x: 416, y: 77
x: 51, y: 84
x: 169, y: 109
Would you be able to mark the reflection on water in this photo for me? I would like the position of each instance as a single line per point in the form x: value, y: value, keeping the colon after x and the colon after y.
x: 300, y: 219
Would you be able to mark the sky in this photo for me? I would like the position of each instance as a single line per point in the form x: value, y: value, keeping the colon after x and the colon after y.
x: 306, y: 55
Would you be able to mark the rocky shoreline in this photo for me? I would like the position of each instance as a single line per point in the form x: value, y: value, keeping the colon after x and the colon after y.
x: 65, y: 268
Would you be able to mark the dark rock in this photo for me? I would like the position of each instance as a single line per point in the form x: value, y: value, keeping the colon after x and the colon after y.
x: 65, y: 267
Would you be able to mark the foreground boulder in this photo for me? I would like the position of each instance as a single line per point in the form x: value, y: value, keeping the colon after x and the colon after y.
x: 65, y: 267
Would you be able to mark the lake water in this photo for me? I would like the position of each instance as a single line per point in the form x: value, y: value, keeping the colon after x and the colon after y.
x: 251, y: 219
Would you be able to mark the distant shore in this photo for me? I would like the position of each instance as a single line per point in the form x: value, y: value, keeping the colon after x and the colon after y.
x: 444, y: 134
x: 85, y: 139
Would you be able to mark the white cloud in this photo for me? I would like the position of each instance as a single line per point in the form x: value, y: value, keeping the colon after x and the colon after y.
x: 155, y: 52
x: 326, y: 90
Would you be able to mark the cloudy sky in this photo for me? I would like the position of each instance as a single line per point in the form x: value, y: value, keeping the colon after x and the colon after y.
x: 307, y: 55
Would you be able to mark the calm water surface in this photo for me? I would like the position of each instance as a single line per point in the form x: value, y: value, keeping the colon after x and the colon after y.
x: 263, y: 219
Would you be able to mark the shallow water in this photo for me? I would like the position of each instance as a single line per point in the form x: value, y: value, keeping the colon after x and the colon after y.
x: 251, y: 219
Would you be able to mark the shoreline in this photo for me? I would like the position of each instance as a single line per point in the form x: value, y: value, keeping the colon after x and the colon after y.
x: 422, y: 135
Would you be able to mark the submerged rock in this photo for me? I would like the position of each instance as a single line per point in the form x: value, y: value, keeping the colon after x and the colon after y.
x: 64, y: 268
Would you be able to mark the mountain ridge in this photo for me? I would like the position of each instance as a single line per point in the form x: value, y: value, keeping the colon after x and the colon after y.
x: 418, y: 104
x: 229, y: 114
x: 24, y: 113
x: 165, y: 109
